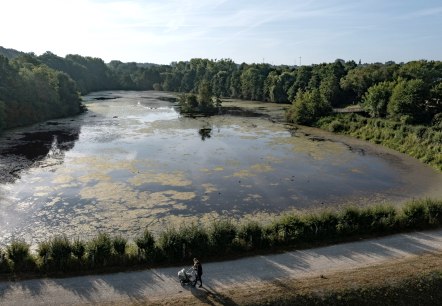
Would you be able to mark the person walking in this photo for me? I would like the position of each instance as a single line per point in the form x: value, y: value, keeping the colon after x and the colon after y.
x: 199, y: 271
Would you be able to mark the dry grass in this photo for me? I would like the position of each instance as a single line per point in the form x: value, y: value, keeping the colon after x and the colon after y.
x: 311, y: 290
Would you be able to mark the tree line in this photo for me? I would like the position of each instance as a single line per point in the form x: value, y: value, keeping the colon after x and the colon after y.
x: 35, y: 88
x: 409, y: 92
x: 31, y: 92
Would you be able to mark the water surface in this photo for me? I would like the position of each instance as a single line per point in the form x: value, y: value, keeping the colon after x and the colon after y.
x: 132, y: 161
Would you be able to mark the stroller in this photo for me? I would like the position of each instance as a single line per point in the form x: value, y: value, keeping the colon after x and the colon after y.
x: 187, y: 277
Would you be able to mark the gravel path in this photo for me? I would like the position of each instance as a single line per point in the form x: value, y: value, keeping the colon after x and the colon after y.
x: 158, y: 284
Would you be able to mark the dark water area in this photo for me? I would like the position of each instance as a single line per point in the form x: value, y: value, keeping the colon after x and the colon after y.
x: 132, y: 161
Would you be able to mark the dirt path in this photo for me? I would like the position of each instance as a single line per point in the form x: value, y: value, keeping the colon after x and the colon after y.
x: 161, y: 285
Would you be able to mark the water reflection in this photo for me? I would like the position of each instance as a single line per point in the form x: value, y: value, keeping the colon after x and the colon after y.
x: 22, y: 150
x: 133, y: 161
x: 205, y: 133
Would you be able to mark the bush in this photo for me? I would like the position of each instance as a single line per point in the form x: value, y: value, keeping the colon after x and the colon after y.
x: 380, y: 219
x: 61, y: 250
x: 434, y: 212
x: 171, y: 244
x: 18, y: 253
x: 349, y: 221
x: 290, y: 229
x: 252, y: 235
x: 221, y: 235
x: 100, y: 250
x: 119, y: 244
x: 416, y: 215
x: 44, y: 250
x: 308, y: 107
x: 146, y: 243
x: 195, y: 241
x: 4, y: 262
x: 78, y: 248
x: 320, y: 226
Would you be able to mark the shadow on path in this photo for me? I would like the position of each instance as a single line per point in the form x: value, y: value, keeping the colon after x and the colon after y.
x: 157, y: 283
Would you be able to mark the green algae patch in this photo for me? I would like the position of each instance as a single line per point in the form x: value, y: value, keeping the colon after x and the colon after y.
x: 177, y: 179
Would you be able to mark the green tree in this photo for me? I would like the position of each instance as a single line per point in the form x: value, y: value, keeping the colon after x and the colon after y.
x: 308, y: 107
x: 330, y: 90
x: 375, y: 100
x: 408, y: 100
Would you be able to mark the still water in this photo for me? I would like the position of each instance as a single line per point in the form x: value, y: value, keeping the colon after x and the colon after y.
x: 132, y: 161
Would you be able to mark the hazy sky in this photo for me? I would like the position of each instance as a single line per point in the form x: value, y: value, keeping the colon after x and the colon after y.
x: 276, y: 31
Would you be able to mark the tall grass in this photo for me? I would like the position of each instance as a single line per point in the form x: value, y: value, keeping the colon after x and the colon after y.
x: 221, y: 239
x: 20, y: 258
x: 421, y: 142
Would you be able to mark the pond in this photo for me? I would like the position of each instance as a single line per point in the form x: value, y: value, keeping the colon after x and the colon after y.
x: 132, y: 161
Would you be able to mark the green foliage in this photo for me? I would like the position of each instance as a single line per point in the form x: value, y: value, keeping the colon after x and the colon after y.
x: 408, y: 99
x: 99, y: 250
x: 31, y: 92
x: 20, y: 257
x: 171, y: 243
x: 221, y: 236
x: 60, y: 250
x: 195, y: 240
x: 203, y: 103
x: 308, y: 107
x: 376, y: 99
x: 78, y: 248
x: 360, y: 79
x: 119, y: 244
x: 146, y: 243
x: 44, y: 249
x: 421, y: 142
x: 252, y: 235
x: 416, y: 214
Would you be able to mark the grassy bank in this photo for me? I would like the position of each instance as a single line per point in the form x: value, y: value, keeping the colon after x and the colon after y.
x: 413, y: 281
x: 419, y: 290
x: 219, y: 240
x: 421, y: 142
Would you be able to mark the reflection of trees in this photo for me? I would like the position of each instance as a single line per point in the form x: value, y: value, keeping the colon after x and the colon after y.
x: 29, y: 150
x: 205, y: 133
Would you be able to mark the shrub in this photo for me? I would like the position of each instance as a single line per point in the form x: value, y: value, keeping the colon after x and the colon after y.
x: 434, y: 212
x: 291, y: 228
x: 171, y: 244
x: 320, y: 226
x: 221, y: 235
x: 195, y: 241
x: 146, y: 243
x: 4, y: 263
x: 100, y: 249
x: 119, y: 244
x: 416, y: 215
x: 336, y: 126
x: 78, y: 248
x: 44, y: 250
x: 380, y: 219
x: 18, y: 253
x: 308, y: 107
x: 252, y: 234
x: 349, y: 221
x: 61, y: 250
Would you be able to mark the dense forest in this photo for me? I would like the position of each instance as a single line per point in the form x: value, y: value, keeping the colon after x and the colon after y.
x: 31, y: 92
x: 35, y: 88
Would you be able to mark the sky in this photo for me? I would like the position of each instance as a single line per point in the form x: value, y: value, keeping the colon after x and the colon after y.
x: 277, y: 32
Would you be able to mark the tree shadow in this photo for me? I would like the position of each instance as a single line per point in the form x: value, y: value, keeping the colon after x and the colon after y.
x: 139, y: 286
x: 208, y: 295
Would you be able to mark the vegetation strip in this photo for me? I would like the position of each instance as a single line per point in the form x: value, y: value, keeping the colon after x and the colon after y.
x: 220, y: 240
x: 419, y: 141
